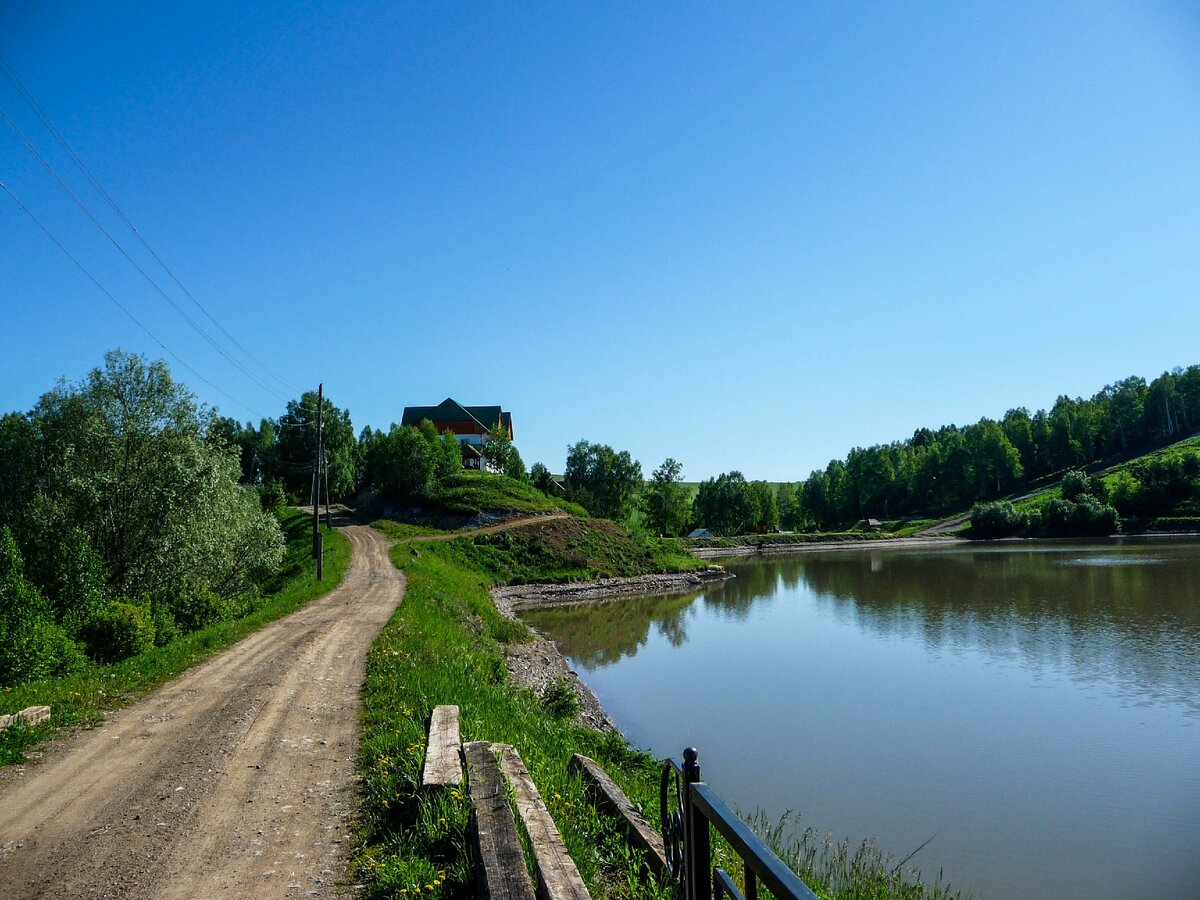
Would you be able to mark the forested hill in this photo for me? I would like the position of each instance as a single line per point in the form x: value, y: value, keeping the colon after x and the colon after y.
x: 952, y: 467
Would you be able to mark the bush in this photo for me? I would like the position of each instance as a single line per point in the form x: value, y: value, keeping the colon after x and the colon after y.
x: 1086, y: 517
x: 196, y: 608
x: 997, y: 519
x: 38, y: 649
x: 119, y: 632
x: 272, y: 496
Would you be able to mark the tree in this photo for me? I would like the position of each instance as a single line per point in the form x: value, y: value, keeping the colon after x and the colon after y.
x: 726, y: 504
x: 603, y: 481
x: 125, y: 460
x: 297, y: 447
x: 539, y: 477
x: 665, y: 502
x: 500, y: 453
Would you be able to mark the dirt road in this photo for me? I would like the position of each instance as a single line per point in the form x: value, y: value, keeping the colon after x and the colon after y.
x: 234, y: 780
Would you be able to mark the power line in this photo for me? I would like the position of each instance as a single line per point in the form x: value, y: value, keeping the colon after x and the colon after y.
x: 118, y: 303
x: 149, y: 280
x: 24, y: 91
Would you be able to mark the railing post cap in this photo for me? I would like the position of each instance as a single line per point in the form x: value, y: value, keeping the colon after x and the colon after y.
x: 691, y: 754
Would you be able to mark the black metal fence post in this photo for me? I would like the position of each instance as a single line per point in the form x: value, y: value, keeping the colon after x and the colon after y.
x: 697, y: 849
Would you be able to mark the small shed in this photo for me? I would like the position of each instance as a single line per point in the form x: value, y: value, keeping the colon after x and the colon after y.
x: 701, y: 532
x: 874, y: 525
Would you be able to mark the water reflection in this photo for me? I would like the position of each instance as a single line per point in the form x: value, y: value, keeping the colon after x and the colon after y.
x: 1126, y: 613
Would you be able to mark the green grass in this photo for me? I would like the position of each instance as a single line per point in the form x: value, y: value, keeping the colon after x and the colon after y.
x: 446, y: 644
x: 81, y: 698
x: 562, y: 550
x: 470, y: 492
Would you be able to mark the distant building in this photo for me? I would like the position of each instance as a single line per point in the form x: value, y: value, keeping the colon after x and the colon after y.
x: 700, y: 533
x: 470, y: 424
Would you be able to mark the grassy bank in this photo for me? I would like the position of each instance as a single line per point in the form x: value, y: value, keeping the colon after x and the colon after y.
x: 446, y: 644
x: 82, y: 698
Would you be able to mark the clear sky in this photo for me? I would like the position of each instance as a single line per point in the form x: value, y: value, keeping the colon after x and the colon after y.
x: 746, y: 236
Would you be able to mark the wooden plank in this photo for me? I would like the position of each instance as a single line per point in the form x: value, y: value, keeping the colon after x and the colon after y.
x: 34, y: 715
x: 442, y: 765
x: 558, y: 878
x: 500, y: 871
x: 609, y: 795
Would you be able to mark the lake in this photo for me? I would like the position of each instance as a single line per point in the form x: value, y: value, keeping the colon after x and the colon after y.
x: 1036, y: 706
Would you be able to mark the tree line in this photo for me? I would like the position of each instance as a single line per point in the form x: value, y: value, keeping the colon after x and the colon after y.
x: 953, y: 467
x: 946, y: 469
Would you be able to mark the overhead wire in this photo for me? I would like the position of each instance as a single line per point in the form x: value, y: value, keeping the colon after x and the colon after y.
x: 118, y: 303
x: 145, y: 275
x: 27, y: 95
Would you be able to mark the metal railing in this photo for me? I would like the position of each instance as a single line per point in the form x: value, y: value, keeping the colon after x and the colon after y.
x: 687, y: 841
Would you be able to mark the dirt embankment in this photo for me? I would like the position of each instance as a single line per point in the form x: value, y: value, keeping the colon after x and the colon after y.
x: 235, y: 779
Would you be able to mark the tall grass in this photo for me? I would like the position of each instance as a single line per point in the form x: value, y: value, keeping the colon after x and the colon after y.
x: 81, y: 698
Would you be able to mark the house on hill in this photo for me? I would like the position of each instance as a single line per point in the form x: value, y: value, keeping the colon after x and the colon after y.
x: 470, y: 424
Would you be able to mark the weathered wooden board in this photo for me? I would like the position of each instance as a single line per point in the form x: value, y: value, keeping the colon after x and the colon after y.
x: 442, y: 759
x: 34, y: 715
x: 30, y: 715
x: 500, y: 873
x: 606, y: 791
x: 558, y: 878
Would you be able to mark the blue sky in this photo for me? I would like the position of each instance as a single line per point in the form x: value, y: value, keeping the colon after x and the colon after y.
x: 746, y: 236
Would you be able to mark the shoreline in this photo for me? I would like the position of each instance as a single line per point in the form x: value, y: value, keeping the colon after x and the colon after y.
x: 539, y: 663
x: 767, y: 548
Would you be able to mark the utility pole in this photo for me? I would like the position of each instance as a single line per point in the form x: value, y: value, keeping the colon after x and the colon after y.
x: 325, y: 463
x: 317, y: 548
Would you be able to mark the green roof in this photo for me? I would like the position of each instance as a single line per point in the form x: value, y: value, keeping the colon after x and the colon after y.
x: 450, y: 410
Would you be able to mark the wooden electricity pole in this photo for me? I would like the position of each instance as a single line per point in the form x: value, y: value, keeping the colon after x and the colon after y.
x: 317, y: 548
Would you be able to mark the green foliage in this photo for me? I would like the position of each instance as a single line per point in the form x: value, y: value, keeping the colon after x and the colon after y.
x: 500, y: 454
x: 118, y: 632
x: 32, y: 645
x: 272, y: 496
x: 952, y: 467
x: 666, y: 503
x: 729, y: 505
x: 124, y: 460
x: 998, y: 518
x: 540, y: 477
x: 297, y: 443
x: 560, y: 700
x: 606, y: 483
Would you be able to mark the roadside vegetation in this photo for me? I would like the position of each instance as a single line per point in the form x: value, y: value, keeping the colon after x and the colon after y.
x: 82, y: 697
x: 122, y: 524
x: 447, y: 644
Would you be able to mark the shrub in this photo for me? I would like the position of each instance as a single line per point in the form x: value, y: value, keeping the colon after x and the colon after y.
x: 997, y: 519
x: 37, y: 649
x: 272, y: 496
x: 194, y: 609
x: 119, y: 632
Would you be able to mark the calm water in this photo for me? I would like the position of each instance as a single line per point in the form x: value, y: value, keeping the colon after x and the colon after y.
x: 1035, y: 707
